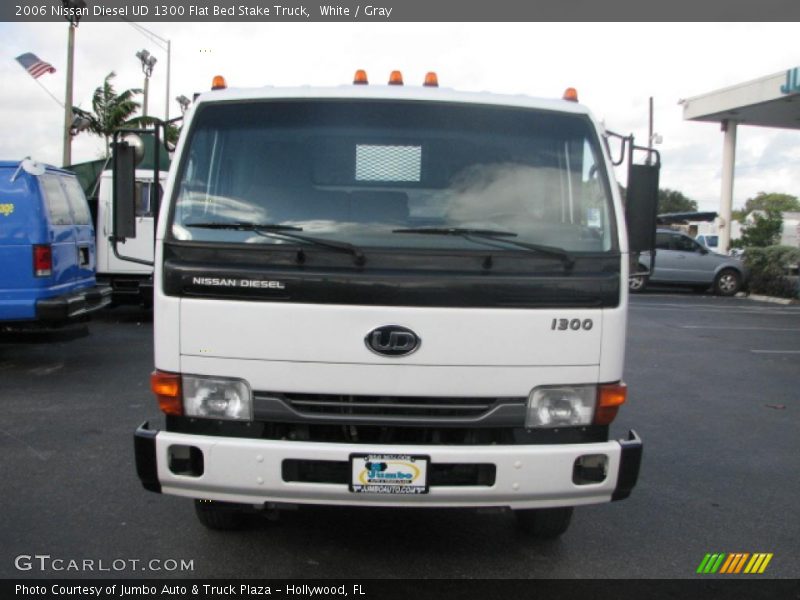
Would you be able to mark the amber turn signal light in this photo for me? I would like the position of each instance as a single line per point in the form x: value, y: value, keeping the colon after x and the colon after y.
x: 167, y: 388
x: 610, y: 397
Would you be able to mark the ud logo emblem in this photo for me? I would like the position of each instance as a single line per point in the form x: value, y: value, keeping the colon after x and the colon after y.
x: 392, y: 340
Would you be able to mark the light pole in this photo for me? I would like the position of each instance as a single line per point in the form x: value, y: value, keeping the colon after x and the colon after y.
x: 148, y: 62
x: 165, y: 45
x: 184, y: 103
x: 73, y: 12
x: 652, y: 136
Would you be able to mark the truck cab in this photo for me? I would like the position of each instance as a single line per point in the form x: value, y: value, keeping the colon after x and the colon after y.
x: 390, y: 296
x: 131, y: 282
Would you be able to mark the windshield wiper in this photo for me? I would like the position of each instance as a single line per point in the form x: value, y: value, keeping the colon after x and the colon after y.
x: 287, y: 231
x: 496, y: 235
x: 245, y: 226
x: 456, y: 231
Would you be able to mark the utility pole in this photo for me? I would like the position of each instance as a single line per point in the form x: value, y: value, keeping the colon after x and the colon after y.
x: 67, y: 156
x: 73, y: 11
x: 652, y: 136
x: 166, y: 101
x: 650, y: 133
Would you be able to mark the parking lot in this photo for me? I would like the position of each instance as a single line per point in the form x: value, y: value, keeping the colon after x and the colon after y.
x: 714, y: 393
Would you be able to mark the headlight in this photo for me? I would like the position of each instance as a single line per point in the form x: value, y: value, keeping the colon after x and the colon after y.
x: 217, y: 398
x: 562, y: 406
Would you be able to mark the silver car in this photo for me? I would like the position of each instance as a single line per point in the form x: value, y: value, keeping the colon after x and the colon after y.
x: 680, y: 260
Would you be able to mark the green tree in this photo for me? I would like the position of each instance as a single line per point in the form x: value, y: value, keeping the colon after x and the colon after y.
x: 111, y: 110
x: 173, y: 134
x: 768, y: 270
x: 673, y: 201
x: 764, y: 231
x: 768, y: 202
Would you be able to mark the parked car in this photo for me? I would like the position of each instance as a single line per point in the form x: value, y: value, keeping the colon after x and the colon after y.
x: 681, y: 260
x: 47, y: 248
x: 709, y: 241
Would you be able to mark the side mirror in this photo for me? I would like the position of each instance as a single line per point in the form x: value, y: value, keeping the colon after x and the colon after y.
x: 32, y: 167
x: 124, y: 198
x: 137, y: 144
x: 641, y: 207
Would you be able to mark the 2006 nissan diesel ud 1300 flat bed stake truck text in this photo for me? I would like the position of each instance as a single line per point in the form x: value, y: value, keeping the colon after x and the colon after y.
x: 390, y: 296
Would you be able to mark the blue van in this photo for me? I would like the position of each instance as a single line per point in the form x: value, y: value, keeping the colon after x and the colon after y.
x: 47, y: 248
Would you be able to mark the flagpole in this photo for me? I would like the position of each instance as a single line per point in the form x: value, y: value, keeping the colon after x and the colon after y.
x: 49, y: 93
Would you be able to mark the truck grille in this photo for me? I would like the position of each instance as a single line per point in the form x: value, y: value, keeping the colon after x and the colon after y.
x: 294, y: 407
x: 389, y: 405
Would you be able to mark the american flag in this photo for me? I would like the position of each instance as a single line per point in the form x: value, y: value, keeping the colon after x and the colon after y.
x: 35, y: 65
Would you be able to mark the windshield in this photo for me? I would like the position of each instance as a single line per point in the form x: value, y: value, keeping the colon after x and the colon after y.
x: 380, y: 173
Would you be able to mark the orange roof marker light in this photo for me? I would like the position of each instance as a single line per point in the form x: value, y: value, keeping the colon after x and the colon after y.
x: 431, y: 79
x: 396, y: 78
x: 218, y: 83
x: 360, y: 78
x: 571, y: 94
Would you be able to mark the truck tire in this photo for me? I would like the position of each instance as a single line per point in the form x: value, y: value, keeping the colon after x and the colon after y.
x: 544, y: 523
x: 220, y: 516
x: 727, y: 282
x: 637, y: 283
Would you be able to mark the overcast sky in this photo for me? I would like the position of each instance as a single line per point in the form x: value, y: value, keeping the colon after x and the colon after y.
x: 615, y: 68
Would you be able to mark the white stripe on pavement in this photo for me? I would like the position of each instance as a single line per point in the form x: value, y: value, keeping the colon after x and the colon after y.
x: 723, y: 327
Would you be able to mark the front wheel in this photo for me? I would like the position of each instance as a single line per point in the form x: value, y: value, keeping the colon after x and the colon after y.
x: 221, y: 516
x: 637, y: 283
x: 544, y: 523
x: 727, y: 282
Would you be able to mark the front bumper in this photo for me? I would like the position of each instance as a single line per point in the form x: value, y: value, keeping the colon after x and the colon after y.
x: 249, y: 471
x: 73, y: 304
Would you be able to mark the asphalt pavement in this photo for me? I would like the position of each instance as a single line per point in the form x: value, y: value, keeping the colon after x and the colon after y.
x: 714, y: 393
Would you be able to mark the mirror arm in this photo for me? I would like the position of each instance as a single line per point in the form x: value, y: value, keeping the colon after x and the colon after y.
x: 114, y: 240
x: 624, y: 141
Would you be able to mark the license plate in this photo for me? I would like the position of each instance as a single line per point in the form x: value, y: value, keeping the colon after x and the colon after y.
x: 388, y: 474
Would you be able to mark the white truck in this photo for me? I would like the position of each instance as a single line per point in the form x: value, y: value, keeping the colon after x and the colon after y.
x: 131, y: 282
x: 386, y: 295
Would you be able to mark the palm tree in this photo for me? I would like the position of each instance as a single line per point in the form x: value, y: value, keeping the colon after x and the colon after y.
x: 111, y: 110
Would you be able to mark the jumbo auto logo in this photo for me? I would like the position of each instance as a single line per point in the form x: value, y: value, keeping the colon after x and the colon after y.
x: 389, y: 474
x: 389, y: 471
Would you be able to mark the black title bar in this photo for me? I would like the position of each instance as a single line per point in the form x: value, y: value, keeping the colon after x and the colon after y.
x: 398, y: 10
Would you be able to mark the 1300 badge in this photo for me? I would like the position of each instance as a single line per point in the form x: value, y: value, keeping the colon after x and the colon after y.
x: 573, y: 324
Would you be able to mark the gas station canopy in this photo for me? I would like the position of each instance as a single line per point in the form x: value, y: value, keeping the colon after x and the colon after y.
x: 771, y: 101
